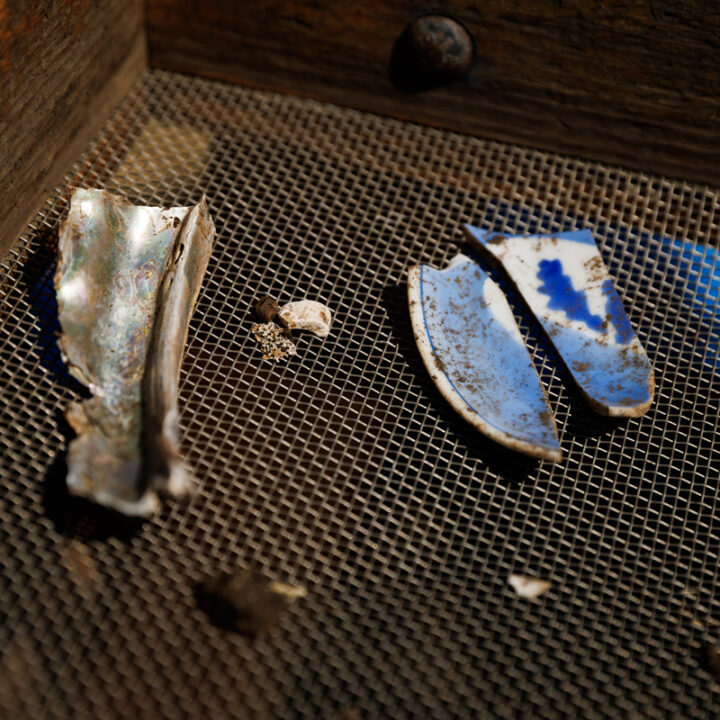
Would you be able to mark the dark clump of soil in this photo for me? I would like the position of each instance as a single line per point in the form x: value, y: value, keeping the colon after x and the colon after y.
x: 265, y: 308
x: 245, y: 601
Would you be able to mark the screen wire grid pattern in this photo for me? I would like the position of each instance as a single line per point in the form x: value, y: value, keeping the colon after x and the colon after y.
x: 343, y: 469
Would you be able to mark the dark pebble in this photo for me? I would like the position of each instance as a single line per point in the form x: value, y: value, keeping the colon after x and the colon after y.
x: 265, y: 308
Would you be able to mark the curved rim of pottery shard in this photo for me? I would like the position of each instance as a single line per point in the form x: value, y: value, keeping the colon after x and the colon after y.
x: 445, y: 384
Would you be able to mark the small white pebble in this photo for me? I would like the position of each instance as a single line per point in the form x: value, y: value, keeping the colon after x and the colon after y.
x: 529, y: 587
x: 291, y: 592
x: 306, y: 315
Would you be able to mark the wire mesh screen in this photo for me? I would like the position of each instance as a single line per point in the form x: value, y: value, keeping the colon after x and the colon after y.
x: 343, y: 469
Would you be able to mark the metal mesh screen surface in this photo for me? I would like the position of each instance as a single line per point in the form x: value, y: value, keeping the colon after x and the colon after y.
x: 343, y: 470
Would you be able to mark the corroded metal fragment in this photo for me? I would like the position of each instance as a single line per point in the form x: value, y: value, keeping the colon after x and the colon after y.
x: 126, y: 283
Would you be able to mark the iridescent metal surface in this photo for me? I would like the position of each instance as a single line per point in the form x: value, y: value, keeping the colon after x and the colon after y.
x: 111, y: 283
x: 164, y: 471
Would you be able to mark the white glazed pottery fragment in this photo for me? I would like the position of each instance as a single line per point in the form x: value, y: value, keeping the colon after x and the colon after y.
x: 565, y: 283
x: 473, y: 350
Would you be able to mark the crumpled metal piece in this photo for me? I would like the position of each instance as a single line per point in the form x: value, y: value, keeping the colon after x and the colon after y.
x: 127, y: 281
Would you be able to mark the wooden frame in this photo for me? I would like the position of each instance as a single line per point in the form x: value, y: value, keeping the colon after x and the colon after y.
x: 624, y: 82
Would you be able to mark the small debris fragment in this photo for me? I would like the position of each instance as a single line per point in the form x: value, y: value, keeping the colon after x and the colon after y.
x: 79, y: 564
x: 274, y: 341
x: 712, y: 659
x: 529, y: 587
x: 291, y: 592
x: 265, y: 308
x: 246, y: 602
x: 306, y: 315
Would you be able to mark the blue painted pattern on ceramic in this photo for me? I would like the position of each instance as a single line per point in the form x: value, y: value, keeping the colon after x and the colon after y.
x: 558, y: 287
x: 565, y: 283
x: 684, y: 276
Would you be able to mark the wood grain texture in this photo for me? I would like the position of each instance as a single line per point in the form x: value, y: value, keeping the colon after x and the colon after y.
x: 637, y: 83
x: 63, y: 66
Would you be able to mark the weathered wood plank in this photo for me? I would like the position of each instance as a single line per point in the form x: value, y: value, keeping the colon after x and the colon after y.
x: 636, y: 83
x: 63, y: 66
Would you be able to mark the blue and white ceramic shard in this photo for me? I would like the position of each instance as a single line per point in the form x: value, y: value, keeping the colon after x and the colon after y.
x: 567, y: 287
x: 473, y: 350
